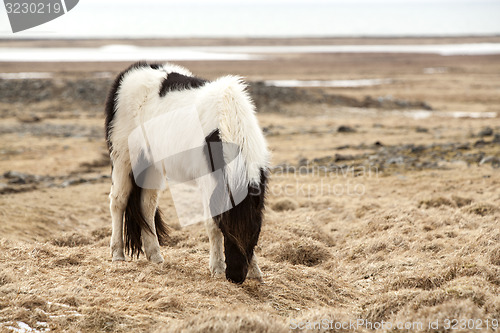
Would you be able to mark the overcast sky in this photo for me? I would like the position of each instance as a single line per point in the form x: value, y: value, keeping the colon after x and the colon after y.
x: 267, y: 18
x: 263, y: 2
x: 280, y: 1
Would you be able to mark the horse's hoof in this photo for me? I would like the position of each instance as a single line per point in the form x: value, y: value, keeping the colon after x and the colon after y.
x: 219, y: 275
x: 257, y: 279
x: 254, y: 273
x: 218, y: 269
x: 118, y: 257
x: 156, y: 258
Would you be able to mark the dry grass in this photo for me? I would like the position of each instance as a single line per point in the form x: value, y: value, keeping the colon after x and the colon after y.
x: 284, y: 204
x: 305, y: 252
x: 71, y: 240
x: 483, y: 209
x: 436, y: 202
x: 227, y: 323
x: 414, y: 246
x: 336, y: 258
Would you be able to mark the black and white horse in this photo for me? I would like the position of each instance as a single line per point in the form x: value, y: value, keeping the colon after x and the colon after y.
x: 224, y: 114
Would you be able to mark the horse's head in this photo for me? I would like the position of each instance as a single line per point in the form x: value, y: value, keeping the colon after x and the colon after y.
x: 241, y: 228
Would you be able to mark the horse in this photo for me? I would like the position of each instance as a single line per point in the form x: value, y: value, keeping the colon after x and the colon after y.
x: 208, y: 137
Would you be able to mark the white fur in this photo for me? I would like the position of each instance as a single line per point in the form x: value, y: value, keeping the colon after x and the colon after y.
x: 222, y: 104
x: 228, y: 99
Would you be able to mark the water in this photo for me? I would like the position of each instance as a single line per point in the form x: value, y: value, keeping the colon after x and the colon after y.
x: 422, y: 114
x: 116, y: 53
x: 215, y: 53
x: 272, y: 18
x: 328, y: 83
x: 25, y: 75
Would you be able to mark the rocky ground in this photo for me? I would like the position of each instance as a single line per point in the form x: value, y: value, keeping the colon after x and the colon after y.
x: 383, y: 205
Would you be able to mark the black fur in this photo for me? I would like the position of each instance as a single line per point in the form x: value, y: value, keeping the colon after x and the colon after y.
x: 241, y: 228
x: 214, y: 150
x: 176, y: 81
x: 110, y: 108
x: 161, y: 228
x: 240, y: 225
x: 135, y: 222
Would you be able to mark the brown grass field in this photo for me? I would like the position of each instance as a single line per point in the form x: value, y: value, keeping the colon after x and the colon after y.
x: 395, y: 220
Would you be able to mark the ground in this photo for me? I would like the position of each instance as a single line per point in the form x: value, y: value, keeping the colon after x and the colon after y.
x: 374, y: 214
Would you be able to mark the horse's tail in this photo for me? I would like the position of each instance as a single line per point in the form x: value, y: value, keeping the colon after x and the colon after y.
x: 247, y: 174
x: 135, y: 222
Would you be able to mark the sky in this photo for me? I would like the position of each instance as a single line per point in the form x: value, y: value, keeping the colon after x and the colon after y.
x: 286, y: 1
x: 267, y: 18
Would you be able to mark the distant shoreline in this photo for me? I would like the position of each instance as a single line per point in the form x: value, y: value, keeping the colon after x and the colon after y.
x: 250, y: 41
x: 117, y: 51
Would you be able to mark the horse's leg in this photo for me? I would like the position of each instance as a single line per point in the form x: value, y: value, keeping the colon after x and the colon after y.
x: 150, y: 242
x: 217, y: 265
x: 254, y: 270
x: 118, y: 196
